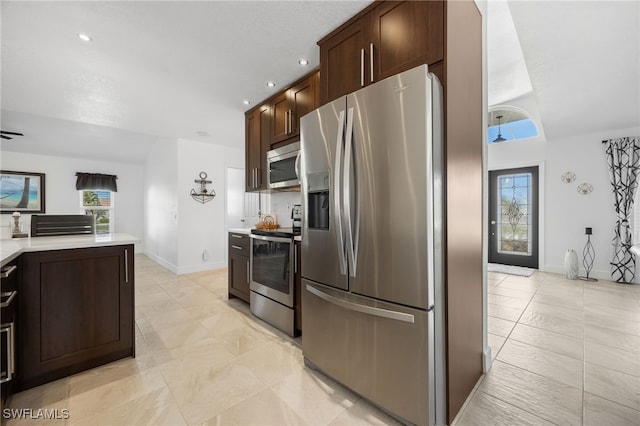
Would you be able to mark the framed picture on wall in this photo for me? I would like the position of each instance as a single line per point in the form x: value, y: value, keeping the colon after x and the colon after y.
x: 22, y: 192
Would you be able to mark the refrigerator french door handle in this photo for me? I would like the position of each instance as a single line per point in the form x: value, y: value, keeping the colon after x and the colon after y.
x: 342, y: 261
x: 369, y: 310
x: 351, y: 241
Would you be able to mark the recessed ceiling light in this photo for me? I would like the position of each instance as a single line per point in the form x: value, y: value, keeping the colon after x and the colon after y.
x: 84, y: 37
x: 271, y: 84
x: 303, y: 62
x: 246, y: 102
x: 202, y: 133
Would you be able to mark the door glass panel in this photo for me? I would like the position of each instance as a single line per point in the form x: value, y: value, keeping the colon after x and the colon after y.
x: 514, y: 218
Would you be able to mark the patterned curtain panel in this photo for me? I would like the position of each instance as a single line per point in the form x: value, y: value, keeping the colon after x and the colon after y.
x: 623, y: 156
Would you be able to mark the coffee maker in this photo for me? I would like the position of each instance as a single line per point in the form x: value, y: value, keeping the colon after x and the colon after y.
x: 296, y: 217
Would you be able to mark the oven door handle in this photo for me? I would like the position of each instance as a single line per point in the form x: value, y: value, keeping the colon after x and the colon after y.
x: 274, y: 239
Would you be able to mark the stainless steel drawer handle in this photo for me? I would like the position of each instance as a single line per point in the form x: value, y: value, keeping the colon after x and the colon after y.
x: 8, y: 271
x: 237, y: 247
x: 11, y: 366
x: 11, y: 295
x: 237, y: 236
x: 379, y: 312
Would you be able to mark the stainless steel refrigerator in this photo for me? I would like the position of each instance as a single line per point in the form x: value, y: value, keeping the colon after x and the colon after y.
x: 372, y: 244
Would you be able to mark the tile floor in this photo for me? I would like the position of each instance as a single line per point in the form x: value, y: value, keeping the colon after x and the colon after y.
x: 565, y: 353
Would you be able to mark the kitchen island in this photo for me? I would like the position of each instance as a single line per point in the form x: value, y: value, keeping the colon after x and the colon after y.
x: 75, y: 304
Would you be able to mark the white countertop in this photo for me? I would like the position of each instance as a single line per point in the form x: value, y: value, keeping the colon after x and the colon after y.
x: 245, y: 231
x: 12, y: 248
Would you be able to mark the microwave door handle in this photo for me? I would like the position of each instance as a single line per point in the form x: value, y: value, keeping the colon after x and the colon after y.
x: 297, y: 166
x: 342, y: 261
x: 351, y: 241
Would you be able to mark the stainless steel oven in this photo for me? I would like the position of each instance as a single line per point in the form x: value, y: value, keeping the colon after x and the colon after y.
x: 283, y: 166
x: 272, y: 260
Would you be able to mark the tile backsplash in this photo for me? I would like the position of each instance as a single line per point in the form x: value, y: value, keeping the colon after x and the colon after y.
x: 280, y: 204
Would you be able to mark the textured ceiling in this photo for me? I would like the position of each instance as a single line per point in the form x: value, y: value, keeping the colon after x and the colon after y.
x: 169, y: 69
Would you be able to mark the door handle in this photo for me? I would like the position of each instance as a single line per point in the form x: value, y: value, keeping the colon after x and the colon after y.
x: 352, y: 235
x: 126, y: 265
x: 342, y: 261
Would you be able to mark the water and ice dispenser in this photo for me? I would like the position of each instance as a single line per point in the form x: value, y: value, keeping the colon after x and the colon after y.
x: 318, y: 200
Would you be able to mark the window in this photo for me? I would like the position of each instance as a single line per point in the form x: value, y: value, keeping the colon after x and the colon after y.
x: 99, y: 203
x: 506, y: 125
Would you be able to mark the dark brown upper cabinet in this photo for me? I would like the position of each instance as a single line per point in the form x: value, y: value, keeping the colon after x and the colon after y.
x: 257, y: 142
x: 383, y: 40
x: 291, y: 104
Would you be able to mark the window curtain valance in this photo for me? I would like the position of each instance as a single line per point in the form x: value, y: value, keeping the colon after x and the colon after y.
x: 623, y: 158
x: 96, y: 181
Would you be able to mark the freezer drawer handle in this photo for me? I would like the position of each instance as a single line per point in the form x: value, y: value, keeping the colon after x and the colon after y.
x: 385, y: 313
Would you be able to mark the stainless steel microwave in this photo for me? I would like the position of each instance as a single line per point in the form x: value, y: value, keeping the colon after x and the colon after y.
x: 283, y: 166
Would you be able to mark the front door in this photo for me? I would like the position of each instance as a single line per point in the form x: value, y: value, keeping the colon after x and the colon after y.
x: 513, y: 217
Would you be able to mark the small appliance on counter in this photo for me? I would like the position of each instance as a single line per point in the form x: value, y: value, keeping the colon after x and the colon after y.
x: 296, y: 217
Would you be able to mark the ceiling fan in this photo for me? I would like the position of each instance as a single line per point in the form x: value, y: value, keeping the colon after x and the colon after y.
x: 4, y: 133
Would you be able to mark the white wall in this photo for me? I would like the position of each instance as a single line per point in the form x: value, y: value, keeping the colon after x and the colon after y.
x: 201, y: 227
x: 61, y: 196
x: 161, y: 204
x: 566, y: 213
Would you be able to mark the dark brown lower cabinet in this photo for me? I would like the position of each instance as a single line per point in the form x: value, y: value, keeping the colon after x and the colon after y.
x: 77, y: 311
x: 239, y: 246
x: 239, y: 276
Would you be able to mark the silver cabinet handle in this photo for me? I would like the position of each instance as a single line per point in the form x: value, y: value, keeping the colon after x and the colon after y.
x: 295, y: 259
x: 126, y: 265
x: 8, y: 271
x: 362, y: 67
x: 11, y: 365
x: 237, y: 247
x: 11, y: 295
x: 371, y: 55
x: 237, y: 236
x: 286, y: 123
x: 369, y: 310
x: 291, y: 120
